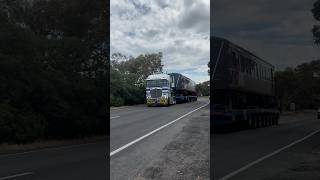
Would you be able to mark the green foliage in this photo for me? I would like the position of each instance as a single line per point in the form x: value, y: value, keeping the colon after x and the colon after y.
x: 127, y: 77
x: 20, y: 125
x: 52, y: 70
x: 300, y: 85
x: 203, y: 89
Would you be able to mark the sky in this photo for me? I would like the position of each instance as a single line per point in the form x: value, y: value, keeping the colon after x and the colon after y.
x: 278, y: 31
x: 180, y: 29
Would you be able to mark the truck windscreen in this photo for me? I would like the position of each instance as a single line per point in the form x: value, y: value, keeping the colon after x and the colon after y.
x: 157, y: 83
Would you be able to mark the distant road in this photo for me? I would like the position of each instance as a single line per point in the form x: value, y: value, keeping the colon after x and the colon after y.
x: 139, y: 132
x: 241, y: 155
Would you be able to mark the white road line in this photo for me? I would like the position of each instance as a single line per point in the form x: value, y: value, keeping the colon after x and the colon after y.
x: 152, y: 132
x: 16, y: 175
x: 47, y: 149
x: 121, y: 108
x: 267, y: 156
x: 114, y: 117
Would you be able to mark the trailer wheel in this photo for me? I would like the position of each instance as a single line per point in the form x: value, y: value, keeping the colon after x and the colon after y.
x: 268, y: 117
x: 250, y: 122
x: 255, y: 121
x: 259, y: 121
x: 274, y: 119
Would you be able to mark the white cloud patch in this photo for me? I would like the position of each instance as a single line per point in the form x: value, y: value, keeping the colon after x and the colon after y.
x: 179, y: 29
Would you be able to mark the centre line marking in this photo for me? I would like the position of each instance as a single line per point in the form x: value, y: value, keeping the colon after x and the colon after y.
x: 16, y: 175
x: 114, y: 117
x: 267, y: 156
x: 154, y: 131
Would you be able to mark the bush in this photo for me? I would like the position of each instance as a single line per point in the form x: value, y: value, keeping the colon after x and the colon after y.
x: 20, y: 127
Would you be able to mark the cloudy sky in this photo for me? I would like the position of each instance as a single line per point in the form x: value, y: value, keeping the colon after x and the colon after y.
x: 278, y: 31
x: 180, y: 29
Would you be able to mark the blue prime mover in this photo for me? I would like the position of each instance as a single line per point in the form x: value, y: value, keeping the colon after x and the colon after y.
x: 167, y: 89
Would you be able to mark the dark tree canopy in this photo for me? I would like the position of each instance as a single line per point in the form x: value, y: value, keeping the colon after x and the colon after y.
x: 316, y: 28
x: 203, y: 89
x: 300, y: 85
x: 53, y: 63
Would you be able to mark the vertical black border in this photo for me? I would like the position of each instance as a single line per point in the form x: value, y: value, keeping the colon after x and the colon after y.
x: 211, y: 172
x: 108, y: 85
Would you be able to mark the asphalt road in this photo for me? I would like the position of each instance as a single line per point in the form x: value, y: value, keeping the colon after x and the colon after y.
x: 133, y: 122
x: 260, y: 153
x: 87, y: 161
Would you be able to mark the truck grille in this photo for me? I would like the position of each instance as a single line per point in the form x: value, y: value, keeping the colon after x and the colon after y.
x: 156, y: 93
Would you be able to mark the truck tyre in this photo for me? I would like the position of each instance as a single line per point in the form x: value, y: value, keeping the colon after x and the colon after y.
x: 250, y: 122
x: 268, y: 119
x: 259, y: 119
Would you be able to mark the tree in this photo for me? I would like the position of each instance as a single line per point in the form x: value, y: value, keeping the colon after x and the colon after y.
x: 316, y: 28
x: 52, y: 69
x: 299, y: 85
x: 203, y: 88
x: 128, y: 75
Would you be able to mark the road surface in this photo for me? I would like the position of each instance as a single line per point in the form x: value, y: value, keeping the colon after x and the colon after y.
x: 132, y: 123
x: 87, y: 161
x: 276, y: 152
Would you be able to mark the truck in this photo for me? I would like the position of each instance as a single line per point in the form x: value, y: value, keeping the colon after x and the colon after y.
x: 167, y: 89
x: 242, y: 87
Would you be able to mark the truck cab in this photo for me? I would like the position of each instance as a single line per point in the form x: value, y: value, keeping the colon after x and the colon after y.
x: 159, y: 90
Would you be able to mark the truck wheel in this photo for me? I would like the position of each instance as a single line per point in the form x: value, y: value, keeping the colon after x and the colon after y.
x: 259, y: 121
x: 250, y: 122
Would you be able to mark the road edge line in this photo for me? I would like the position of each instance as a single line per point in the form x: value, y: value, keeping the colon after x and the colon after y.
x: 154, y: 131
x: 114, y: 117
x: 230, y: 175
x: 16, y: 175
x: 47, y: 149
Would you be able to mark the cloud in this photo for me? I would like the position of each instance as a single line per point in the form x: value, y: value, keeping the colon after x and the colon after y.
x: 278, y: 31
x: 179, y: 29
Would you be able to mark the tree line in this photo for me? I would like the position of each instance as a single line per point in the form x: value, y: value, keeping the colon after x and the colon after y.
x: 300, y: 85
x: 53, y: 69
x: 128, y: 75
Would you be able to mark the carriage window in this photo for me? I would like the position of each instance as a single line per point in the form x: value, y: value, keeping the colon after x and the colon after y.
x: 257, y: 71
x: 247, y: 66
x: 234, y: 60
x: 242, y: 61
